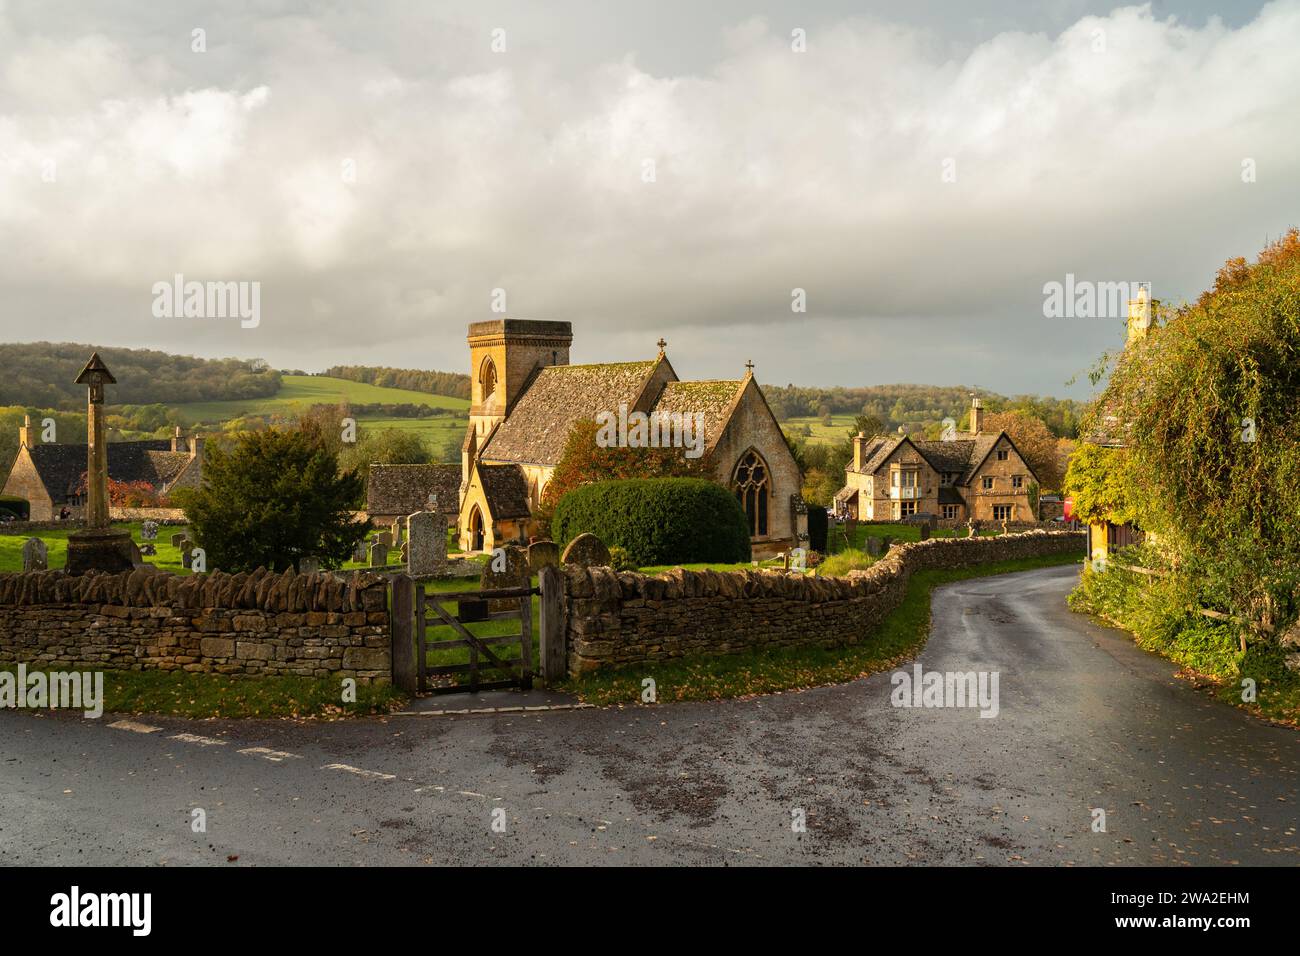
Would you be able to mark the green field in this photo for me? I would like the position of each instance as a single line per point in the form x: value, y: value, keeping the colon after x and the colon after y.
x: 832, y: 434
x: 299, y: 392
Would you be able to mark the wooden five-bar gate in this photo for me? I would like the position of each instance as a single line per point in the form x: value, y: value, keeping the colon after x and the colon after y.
x: 489, y: 654
x: 489, y: 661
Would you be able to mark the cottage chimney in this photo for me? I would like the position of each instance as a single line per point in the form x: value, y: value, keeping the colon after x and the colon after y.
x: 1141, y: 314
x: 976, y: 415
x: 176, y: 439
x: 195, y: 444
x: 25, y: 433
x: 859, y: 442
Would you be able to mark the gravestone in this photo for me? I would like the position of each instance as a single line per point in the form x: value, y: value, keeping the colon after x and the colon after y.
x: 798, y: 559
x: 511, y: 571
x: 378, y: 552
x: 361, y: 551
x: 149, y: 531
x: 385, y: 538
x: 177, y: 539
x: 308, y: 565
x: 543, y: 554
x: 426, y: 538
x: 587, y: 551
x: 148, y: 548
x: 873, y: 547
x: 36, y: 557
x: 886, y: 543
x: 925, y: 531
x: 397, y: 532
x: 972, y: 528
x: 403, y: 553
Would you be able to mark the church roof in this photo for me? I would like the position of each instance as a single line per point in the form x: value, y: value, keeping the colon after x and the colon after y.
x: 405, y: 489
x: 505, y: 490
x: 558, y: 397
x: 60, y: 466
x: 712, y: 399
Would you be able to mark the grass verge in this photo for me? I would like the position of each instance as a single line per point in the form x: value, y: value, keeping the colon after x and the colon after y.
x: 898, y: 639
x: 182, y: 694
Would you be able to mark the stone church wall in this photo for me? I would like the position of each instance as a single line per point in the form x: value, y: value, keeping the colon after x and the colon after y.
x: 310, y: 625
x: 616, y: 619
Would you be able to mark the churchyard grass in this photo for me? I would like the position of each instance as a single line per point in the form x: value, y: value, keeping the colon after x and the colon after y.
x: 168, y: 558
x: 897, y: 640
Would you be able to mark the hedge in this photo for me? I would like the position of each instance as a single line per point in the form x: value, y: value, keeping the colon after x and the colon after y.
x: 658, y: 520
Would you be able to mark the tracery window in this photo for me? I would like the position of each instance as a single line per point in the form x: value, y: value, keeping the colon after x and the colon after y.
x: 750, y: 482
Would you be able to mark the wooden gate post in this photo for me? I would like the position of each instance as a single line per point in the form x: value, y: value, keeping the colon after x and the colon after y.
x: 555, y: 650
x: 401, y: 612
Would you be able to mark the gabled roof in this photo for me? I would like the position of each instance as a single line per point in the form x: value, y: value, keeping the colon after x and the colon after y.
x: 60, y: 466
x: 558, y: 397
x: 405, y: 489
x: 961, y: 457
x: 505, y: 490
x: 715, y: 400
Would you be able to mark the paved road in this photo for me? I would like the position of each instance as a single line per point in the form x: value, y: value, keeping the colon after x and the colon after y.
x: 1086, y: 721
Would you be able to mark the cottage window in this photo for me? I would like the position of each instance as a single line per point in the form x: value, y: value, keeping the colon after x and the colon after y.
x: 750, y: 482
x: 987, y: 483
x: 1002, y: 512
x: 1003, y: 454
x: 1017, y: 481
x: 949, y: 511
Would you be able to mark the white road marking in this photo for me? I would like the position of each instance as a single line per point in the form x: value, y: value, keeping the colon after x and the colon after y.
x: 135, y: 728
x: 268, y: 754
x: 359, y: 772
x: 201, y: 741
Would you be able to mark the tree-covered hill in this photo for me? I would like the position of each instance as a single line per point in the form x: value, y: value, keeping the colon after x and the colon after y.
x: 452, y: 384
x: 42, y: 374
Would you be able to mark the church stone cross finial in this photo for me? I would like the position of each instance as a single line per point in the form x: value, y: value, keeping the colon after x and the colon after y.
x: 749, y: 367
x: 662, y: 345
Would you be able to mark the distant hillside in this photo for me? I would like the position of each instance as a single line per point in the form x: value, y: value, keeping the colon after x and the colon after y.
x: 41, y: 374
x: 915, y: 406
x: 453, y: 384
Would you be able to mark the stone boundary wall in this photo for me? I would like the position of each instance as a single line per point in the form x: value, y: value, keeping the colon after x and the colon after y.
x: 311, y: 625
x: 613, y: 618
x: 31, y: 527
x: 167, y: 516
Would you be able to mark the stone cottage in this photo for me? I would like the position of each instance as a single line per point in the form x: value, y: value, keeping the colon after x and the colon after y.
x: 49, y: 474
x: 972, y: 476
x: 526, y: 397
x: 395, y: 491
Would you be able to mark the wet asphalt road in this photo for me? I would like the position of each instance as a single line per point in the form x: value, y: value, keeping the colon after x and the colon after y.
x: 1086, y: 721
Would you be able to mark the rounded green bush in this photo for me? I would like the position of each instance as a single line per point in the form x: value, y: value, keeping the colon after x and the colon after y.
x: 658, y: 520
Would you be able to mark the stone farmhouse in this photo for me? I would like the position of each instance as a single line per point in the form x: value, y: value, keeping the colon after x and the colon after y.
x: 49, y: 474
x: 526, y: 397
x: 975, y: 476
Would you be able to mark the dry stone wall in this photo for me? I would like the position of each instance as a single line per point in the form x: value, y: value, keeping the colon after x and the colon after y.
x: 311, y: 625
x: 613, y: 619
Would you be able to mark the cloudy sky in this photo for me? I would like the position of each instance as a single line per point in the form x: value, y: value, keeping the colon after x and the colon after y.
x: 640, y: 169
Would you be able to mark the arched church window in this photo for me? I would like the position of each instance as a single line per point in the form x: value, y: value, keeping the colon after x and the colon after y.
x: 487, y: 378
x: 750, y: 483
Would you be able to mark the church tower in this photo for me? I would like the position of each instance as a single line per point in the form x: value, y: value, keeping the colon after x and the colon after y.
x: 503, y: 355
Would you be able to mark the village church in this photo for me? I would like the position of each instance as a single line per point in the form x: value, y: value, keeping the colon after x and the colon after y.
x: 526, y: 397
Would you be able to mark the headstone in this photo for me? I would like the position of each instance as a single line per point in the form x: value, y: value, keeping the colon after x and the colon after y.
x: 308, y: 565
x: 925, y: 531
x: 798, y: 559
x: 385, y: 538
x: 426, y: 542
x: 148, y: 548
x: 177, y: 538
x: 378, y: 552
x: 543, y: 554
x: 404, y: 553
x: 886, y: 542
x: 36, y: 556
x: 361, y: 551
x: 972, y: 528
x: 587, y: 551
x: 397, y: 531
x: 873, y: 547
x: 149, y: 531
x: 505, y: 570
